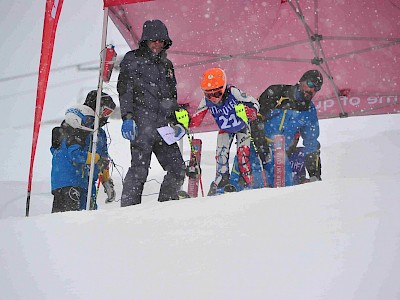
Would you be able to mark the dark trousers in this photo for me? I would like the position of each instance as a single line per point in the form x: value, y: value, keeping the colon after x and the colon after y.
x: 66, y: 199
x: 169, y: 157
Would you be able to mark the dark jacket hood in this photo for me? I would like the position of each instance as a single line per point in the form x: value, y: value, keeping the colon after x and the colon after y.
x: 155, y: 30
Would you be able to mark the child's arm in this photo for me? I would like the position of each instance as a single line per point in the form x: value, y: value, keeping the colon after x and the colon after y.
x: 200, y: 113
x: 251, y: 104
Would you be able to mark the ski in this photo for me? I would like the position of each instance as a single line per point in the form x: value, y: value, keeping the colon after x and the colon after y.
x: 193, y: 168
x: 279, y: 160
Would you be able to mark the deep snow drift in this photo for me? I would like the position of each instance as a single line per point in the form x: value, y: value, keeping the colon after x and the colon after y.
x: 334, y: 239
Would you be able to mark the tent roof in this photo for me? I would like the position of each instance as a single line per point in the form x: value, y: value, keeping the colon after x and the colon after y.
x: 355, y: 44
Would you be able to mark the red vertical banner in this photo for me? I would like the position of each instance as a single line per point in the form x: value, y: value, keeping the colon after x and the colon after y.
x: 51, y: 16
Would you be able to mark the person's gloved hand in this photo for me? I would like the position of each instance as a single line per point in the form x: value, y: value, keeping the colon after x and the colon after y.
x: 129, y: 129
x: 313, y: 166
x: 109, y: 190
x: 251, y: 113
x: 182, y: 117
x: 178, y: 129
x: 89, y: 158
x: 265, y: 153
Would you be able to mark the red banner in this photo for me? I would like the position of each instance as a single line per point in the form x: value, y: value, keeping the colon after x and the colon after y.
x: 51, y: 16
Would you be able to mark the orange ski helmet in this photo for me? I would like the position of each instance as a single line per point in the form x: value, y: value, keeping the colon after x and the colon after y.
x: 213, y: 84
x: 212, y: 79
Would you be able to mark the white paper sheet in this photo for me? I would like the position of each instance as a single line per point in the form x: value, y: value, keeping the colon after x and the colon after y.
x: 168, y: 134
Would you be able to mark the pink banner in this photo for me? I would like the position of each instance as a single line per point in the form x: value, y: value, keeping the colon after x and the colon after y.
x: 358, y: 105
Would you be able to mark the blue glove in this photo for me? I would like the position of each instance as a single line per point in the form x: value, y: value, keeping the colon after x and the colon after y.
x: 178, y: 129
x: 129, y: 129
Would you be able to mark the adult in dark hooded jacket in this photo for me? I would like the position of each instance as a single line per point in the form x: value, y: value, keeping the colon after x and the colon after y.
x: 148, y: 100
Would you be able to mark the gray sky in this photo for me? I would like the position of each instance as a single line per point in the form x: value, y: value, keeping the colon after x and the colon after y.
x: 78, y: 40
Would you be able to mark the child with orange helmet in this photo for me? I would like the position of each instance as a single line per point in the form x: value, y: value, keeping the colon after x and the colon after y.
x: 221, y: 99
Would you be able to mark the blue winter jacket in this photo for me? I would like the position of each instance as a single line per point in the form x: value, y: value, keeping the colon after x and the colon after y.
x: 102, y: 150
x: 147, y: 86
x: 69, y: 166
x: 284, y: 115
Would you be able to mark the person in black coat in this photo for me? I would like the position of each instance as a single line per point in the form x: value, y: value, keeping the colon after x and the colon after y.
x: 148, y: 100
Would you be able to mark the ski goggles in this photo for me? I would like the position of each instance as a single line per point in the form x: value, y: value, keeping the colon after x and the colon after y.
x: 106, y: 111
x: 311, y: 85
x: 214, y: 93
x: 86, y: 121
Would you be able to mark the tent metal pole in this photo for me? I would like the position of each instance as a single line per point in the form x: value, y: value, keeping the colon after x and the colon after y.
x: 97, y: 113
x: 316, y: 38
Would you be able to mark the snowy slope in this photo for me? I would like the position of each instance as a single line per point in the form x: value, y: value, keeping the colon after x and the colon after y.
x: 335, y: 239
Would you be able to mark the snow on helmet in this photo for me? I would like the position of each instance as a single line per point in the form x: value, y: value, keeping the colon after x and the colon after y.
x: 80, y: 117
x: 213, y: 84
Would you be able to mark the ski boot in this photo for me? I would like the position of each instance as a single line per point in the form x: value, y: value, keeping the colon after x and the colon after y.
x: 229, y: 188
x: 218, y: 189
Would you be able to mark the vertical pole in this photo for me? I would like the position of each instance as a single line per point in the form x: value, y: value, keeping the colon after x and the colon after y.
x: 96, y: 119
x: 181, y: 145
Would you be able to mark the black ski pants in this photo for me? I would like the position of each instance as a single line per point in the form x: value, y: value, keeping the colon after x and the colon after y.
x: 66, y: 199
x: 169, y: 157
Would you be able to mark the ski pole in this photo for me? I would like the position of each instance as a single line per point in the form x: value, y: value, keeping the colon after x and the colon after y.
x: 201, y: 185
x: 182, y: 117
x: 93, y: 201
x: 241, y: 113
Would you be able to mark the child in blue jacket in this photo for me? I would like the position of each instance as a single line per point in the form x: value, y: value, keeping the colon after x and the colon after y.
x: 70, y: 157
x: 71, y: 151
x: 101, y: 171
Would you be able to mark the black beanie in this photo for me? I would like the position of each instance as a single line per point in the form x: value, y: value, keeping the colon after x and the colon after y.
x: 314, y: 76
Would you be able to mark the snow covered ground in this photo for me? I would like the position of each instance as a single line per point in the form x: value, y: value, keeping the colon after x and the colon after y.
x: 334, y: 239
